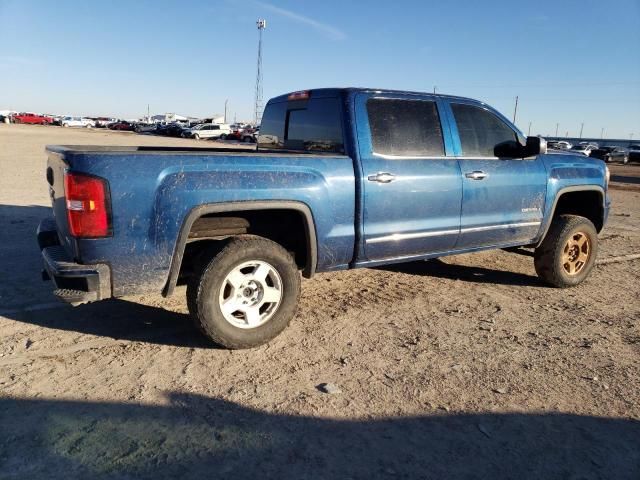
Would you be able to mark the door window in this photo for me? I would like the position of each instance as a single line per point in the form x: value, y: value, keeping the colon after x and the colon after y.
x: 480, y: 130
x: 408, y: 128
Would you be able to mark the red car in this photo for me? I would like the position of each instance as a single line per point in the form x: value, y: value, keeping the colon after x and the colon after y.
x: 32, y: 118
x: 123, y: 125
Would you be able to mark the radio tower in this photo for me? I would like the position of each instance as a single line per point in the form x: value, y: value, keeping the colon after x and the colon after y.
x: 257, y: 110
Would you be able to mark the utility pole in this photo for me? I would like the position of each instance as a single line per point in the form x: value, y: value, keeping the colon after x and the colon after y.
x: 529, y: 131
x: 148, y: 114
x: 434, y: 89
x: 515, y: 110
x: 225, y: 110
x: 566, y: 134
x: 257, y: 110
x: 557, y: 126
x: 602, y: 134
x: 581, y: 128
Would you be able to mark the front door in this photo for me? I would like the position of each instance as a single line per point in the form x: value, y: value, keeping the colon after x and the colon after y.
x: 503, y: 198
x: 411, y: 189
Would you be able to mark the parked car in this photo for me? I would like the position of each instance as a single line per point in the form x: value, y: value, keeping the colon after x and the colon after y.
x: 142, y: 127
x: 80, y: 122
x: 102, y: 122
x: 170, y: 130
x: 634, y: 153
x: 206, y: 130
x: 31, y: 118
x: 362, y: 177
x: 611, y: 153
x: 585, y: 149
x: 559, y: 145
x: 250, y: 135
x: 122, y: 125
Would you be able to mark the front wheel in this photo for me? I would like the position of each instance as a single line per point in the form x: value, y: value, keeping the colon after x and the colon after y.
x: 245, y: 294
x: 568, y: 252
x: 223, y: 136
x: 196, y: 136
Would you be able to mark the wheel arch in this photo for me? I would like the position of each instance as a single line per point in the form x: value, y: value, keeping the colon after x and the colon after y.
x: 248, y: 206
x: 565, y: 203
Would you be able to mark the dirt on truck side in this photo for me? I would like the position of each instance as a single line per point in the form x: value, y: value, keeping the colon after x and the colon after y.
x: 463, y: 367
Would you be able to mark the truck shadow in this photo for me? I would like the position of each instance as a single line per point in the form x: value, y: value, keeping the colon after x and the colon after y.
x: 194, y: 436
x: 625, y: 179
x: 438, y: 268
x: 120, y: 320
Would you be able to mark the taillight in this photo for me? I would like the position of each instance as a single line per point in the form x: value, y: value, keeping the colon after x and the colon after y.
x: 88, y: 205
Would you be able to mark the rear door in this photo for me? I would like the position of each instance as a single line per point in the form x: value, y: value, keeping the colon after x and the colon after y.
x: 503, y: 198
x: 411, y: 188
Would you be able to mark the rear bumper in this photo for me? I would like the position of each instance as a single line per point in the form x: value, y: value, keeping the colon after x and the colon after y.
x: 75, y: 283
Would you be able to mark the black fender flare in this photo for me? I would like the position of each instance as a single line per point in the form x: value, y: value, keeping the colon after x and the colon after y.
x: 200, y: 210
x: 562, y: 191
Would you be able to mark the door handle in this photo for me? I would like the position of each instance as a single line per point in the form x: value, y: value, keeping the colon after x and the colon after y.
x: 382, y: 177
x: 476, y: 175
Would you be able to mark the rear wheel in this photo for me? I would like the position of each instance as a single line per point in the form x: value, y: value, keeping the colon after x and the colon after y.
x: 245, y: 294
x: 568, y: 252
x: 223, y: 136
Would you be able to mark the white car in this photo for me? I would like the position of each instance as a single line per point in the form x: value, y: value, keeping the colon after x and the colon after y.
x: 207, y: 130
x: 77, y: 122
x: 584, y: 149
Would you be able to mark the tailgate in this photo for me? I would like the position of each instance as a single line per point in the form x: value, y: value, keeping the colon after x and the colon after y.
x: 56, y: 168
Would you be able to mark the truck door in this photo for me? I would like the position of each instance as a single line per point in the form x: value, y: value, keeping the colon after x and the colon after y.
x: 502, y: 198
x: 411, y: 189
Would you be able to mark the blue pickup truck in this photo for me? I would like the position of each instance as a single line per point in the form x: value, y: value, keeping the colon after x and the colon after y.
x: 339, y: 179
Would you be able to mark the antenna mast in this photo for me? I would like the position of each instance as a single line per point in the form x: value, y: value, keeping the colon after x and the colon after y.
x: 257, y: 110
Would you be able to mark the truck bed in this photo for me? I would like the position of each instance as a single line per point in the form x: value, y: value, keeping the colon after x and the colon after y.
x: 102, y: 149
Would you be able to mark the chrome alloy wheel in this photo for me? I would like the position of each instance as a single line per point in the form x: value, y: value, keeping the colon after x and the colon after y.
x: 576, y: 253
x: 250, y: 294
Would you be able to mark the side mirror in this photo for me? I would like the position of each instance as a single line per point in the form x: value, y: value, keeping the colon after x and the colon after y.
x: 535, y: 146
x: 508, y: 149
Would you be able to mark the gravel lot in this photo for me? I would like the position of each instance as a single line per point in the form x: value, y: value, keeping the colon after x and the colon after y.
x: 466, y: 367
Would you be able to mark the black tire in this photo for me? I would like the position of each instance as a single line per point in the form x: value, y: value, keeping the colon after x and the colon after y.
x: 548, y: 257
x: 204, y: 289
x: 223, y: 136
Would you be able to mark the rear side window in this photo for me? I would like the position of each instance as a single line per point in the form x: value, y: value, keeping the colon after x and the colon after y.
x: 480, y: 130
x: 408, y: 128
x: 314, y: 125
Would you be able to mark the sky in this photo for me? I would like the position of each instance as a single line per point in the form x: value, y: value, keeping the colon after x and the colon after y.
x: 569, y: 62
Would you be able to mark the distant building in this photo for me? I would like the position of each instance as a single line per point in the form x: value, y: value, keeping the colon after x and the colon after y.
x: 169, y: 117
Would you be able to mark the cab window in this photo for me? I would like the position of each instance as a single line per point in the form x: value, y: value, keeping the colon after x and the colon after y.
x: 408, y: 128
x: 480, y: 130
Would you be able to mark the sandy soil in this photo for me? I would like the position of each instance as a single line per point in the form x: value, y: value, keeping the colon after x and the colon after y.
x: 466, y: 367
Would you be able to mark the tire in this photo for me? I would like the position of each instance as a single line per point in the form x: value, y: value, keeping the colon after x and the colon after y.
x: 226, y: 277
x: 562, y: 249
x: 65, y: 125
x: 196, y: 136
x: 223, y: 136
x: 625, y: 159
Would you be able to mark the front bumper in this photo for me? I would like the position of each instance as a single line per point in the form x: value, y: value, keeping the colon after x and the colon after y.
x: 75, y: 283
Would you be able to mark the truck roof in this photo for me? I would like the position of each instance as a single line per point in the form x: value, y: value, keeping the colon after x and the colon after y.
x: 334, y: 92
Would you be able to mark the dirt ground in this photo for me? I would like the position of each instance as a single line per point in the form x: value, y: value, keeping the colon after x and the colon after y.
x: 465, y: 367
